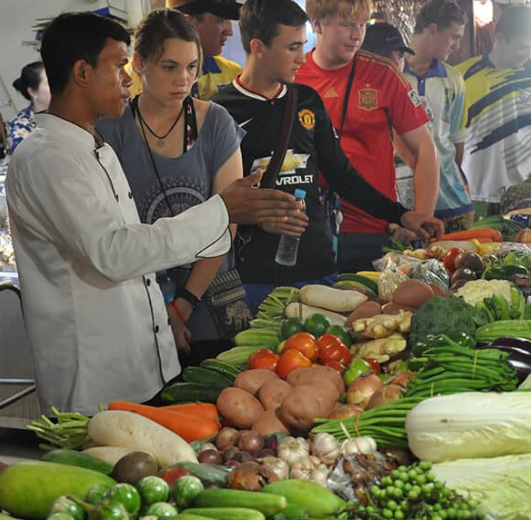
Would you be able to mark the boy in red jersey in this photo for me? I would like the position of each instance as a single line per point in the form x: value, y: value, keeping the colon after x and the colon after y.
x: 380, y: 98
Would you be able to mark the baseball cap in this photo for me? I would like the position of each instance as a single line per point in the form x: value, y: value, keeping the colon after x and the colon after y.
x: 228, y: 9
x: 382, y: 38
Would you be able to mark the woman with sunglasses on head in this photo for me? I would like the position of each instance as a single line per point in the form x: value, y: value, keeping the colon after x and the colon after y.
x: 177, y: 152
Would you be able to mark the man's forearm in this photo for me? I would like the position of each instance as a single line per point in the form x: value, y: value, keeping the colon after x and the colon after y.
x: 426, y: 181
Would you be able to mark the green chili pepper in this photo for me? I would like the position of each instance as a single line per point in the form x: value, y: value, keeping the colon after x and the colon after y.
x: 356, y: 368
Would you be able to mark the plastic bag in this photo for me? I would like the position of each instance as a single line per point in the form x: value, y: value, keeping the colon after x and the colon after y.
x: 389, y: 280
x: 431, y: 271
x: 354, y: 473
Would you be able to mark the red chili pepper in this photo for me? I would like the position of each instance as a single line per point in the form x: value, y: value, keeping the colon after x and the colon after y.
x: 375, y: 365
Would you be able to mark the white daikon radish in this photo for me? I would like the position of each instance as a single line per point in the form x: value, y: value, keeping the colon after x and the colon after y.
x: 302, y: 311
x: 130, y: 430
x: 109, y: 454
x: 338, y: 300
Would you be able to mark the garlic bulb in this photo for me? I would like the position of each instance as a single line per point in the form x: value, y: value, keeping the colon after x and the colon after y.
x: 304, y: 467
x: 292, y: 449
x: 358, y: 445
x: 320, y: 475
x: 326, y: 447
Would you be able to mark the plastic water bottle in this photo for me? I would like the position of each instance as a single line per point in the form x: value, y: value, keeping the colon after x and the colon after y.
x: 288, y: 247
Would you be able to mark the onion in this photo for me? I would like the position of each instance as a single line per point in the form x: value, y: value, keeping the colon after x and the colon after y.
x: 227, y: 437
x: 250, y: 441
x: 362, y: 388
x: 228, y: 453
x: 210, y: 457
x: 403, y: 378
x: 388, y: 394
x: 346, y: 410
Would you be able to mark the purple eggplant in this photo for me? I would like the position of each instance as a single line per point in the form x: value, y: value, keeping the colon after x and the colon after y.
x: 519, y: 350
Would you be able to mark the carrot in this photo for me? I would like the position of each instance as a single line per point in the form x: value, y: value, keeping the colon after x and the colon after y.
x: 469, y: 234
x: 189, y: 427
x: 205, y: 410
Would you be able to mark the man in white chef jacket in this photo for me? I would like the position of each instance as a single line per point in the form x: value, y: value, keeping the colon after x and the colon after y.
x: 94, y: 313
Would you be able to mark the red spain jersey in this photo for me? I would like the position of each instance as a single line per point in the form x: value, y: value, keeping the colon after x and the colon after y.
x: 381, y: 97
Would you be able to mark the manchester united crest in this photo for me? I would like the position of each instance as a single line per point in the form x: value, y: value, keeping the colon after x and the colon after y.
x: 307, y: 119
x: 368, y: 99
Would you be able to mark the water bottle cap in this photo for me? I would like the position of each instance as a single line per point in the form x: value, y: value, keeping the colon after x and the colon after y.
x: 300, y: 194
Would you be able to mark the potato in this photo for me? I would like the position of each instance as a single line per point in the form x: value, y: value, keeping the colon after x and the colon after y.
x: 365, y: 310
x: 273, y: 392
x: 301, y: 407
x: 252, y: 380
x: 301, y: 376
x: 412, y: 293
x: 393, y: 308
x: 325, y: 391
x: 268, y: 423
x: 238, y: 407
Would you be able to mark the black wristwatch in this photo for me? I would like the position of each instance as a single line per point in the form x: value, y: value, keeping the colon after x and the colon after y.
x: 185, y: 294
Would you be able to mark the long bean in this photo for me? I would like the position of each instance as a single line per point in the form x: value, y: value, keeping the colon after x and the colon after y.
x: 70, y: 430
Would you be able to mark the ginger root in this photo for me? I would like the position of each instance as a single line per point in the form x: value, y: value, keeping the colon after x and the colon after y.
x: 381, y: 349
x: 383, y: 325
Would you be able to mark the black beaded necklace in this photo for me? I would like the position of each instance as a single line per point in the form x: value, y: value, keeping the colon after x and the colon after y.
x: 160, y: 138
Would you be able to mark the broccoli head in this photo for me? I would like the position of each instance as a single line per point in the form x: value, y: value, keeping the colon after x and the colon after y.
x: 451, y: 316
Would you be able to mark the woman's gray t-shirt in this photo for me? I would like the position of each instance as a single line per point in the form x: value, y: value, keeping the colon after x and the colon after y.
x: 187, y: 180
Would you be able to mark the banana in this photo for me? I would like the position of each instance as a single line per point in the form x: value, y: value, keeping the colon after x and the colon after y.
x: 317, y: 500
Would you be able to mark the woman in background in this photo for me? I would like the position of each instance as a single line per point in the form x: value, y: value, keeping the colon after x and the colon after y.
x: 177, y: 152
x: 33, y: 85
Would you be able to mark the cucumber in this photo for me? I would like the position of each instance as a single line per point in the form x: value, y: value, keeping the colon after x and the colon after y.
x: 225, y: 513
x: 29, y: 488
x: 190, y: 393
x: 187, y: 517
x: 364, y: 280
x: 234, y: 497
x: 257, y: 337
x: 228, y: 370
x: 206, y: 473
x: 317, y: 500
x: 205, y: 375
x: 76, y: 458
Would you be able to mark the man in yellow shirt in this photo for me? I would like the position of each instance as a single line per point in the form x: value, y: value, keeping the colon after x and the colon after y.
x: 212, y: 21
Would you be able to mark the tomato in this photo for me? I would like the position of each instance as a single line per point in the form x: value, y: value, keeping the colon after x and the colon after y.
x: 305, y: 343
x: 449, y: 258
x: 171, y: 475
x: 290, y: 360
x: 375, y: 365
x: 291, y: 326
x: 263, y: 358
x: 335, y: 352
x: 328, y: 339
x: 336, y: 365
x: 316, y: 324
x: 341, y: 332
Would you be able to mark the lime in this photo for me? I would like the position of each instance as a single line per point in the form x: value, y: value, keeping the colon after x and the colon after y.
x: 341, y: 332
x: 291, y: 326
x: 316, y: 324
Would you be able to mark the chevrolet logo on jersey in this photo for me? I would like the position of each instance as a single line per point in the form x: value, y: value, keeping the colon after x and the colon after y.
x: 288, y: 174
